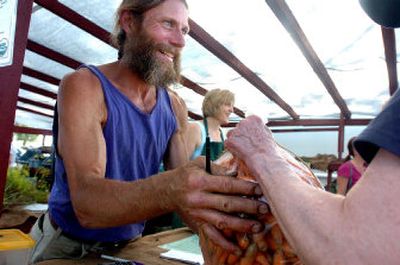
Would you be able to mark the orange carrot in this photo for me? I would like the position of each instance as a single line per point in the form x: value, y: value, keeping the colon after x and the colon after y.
x: 261, y: 258
x: 294, y: 261
x: 287, y: 250
x: 232, y: 259
x: 250, y: 255
x: 243, y: 240
x: 277, y: 235
x: 218, y: 252
x: 259, y: 239
x: 278, y: 258
x: 222, y: 258
x: 271, y: 242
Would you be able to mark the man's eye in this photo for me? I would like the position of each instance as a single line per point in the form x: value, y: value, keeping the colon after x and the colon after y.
x: 168, y: 24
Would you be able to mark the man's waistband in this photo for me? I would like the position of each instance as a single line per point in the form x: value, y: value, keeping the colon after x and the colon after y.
x: 104, y: 245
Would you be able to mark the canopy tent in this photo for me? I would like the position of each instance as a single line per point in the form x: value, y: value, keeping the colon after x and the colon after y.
x: 320, y: 64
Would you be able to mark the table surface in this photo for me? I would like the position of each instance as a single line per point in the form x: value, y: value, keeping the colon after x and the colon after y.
x: 144, y: 250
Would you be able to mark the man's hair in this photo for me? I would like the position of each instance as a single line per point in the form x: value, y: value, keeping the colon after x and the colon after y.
x: 214, y: 99
x: 137, y: 8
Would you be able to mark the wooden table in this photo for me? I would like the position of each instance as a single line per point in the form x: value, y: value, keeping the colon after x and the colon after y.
x: 144, y: 250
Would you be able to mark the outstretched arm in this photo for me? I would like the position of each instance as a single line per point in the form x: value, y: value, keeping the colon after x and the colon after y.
x: 322, y: 227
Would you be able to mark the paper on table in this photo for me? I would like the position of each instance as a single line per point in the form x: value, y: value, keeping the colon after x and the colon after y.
x: 185, y: 257
x: 186, y: 250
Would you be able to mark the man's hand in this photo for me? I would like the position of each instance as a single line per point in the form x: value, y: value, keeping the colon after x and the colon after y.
x: 213, y: 202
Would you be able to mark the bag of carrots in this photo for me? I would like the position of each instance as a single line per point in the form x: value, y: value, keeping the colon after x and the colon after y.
x: 269, y: 246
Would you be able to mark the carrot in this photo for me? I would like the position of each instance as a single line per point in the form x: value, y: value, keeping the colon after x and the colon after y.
x: 232, y: 259
x: 278, y: 258
x: 261, y: 258
x: 287, y: 250
x: 243, y: 240
x: 294, y: 261
x: 218, y: 252
x: 277, y: 235
x: 250, y: 255
x: 222, y: 258
x: 271, y: 242
x: 259, y: 239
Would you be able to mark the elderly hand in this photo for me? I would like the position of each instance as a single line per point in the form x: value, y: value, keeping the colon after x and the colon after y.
x: 211, y: 202
x: 249, y: 139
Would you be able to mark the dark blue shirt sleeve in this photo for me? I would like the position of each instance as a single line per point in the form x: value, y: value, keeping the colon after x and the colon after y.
x: 382, y: 132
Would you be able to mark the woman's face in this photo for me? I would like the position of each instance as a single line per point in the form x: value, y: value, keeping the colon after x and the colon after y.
x: 224, y: 112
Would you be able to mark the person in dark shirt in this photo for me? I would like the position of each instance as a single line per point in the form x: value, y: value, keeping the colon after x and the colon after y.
x: 325, y: 228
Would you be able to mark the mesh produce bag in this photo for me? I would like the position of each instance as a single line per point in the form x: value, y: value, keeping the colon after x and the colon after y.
x: 269, y: 246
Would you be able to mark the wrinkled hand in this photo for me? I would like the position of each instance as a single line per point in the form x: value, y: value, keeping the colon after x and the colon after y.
x: 250, y: 138
x: 211, y: 202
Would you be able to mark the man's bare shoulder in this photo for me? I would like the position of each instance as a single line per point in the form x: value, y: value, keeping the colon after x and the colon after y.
x: 194, y: 130
x: 80, y: 92
x: 178, y: 103
x: 176, y: 99
x: 82, y: 79
x: 180, y: 109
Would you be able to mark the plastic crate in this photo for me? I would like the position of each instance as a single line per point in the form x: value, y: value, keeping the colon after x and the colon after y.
x: 15, y: 247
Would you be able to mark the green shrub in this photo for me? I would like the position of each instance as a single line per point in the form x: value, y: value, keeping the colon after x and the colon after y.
x: 20, y: 189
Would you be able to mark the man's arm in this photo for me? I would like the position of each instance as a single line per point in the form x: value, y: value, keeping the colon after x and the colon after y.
x: 97, y: 201
x: 193, y: 137
x: 325, y: 228
x: 361, y: 228
x: 177, y: 153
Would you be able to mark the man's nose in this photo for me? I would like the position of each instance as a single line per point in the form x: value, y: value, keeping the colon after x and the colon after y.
x: 178, y: 39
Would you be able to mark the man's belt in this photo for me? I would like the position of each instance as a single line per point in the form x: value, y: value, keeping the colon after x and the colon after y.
x: 103, y: 245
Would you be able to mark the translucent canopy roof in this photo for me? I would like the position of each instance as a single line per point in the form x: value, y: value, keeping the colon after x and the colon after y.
x: 349, y: 45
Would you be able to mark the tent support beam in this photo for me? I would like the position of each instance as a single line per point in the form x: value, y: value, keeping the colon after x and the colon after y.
x: 11, y: 75
x: 389, y: 41
x: 341, y: 136
x: 216, y: 48
x: 289, y: 22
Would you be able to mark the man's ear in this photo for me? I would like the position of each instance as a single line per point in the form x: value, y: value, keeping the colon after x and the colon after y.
x: 126, y: 21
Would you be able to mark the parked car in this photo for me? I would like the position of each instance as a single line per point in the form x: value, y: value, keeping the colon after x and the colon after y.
x: 36, y: 157
x: 38, y: 161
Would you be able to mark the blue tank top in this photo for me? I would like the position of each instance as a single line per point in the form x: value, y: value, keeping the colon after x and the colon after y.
x: 136, y: 143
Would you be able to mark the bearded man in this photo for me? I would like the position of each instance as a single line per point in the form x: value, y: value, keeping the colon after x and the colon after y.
x: 115, y: 124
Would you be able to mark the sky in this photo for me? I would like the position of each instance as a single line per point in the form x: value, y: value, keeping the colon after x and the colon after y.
x: 313, y: 143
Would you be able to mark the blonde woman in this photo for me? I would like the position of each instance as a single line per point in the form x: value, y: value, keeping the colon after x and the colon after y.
x: 217, y: 107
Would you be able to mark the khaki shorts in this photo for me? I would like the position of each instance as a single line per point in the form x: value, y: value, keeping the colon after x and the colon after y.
x: 52, y: 244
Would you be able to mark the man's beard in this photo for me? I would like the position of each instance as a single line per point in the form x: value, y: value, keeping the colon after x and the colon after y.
x: 140, y: 56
